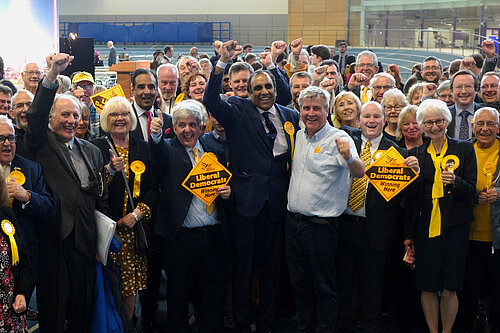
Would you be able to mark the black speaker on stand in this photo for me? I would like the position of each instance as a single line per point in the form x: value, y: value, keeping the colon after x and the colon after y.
x: 83, y: 51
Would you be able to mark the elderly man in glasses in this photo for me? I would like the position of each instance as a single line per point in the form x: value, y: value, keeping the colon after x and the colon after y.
x: 31, y: 75
x: 21, y: 101
x: 82, y: 88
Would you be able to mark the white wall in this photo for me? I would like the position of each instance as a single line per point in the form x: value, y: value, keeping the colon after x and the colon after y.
x: 172, y: 7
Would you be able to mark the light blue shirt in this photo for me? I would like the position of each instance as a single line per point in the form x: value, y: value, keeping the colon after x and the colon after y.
x: 320, y: 181
x: 197, y: 216
x: 458, y: 119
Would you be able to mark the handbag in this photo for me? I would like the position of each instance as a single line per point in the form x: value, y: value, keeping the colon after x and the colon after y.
x: 141, y: 230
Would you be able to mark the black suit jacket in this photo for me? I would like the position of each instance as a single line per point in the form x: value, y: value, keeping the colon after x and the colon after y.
x: 75, y: 205
x: 384, y: 218
x: 168, y: 129
x: 258, y: 176
x: 456, y: 205
x: 41, y: 207
x: 451, y: 125
x: 170, y: 156
x: 138, y: 151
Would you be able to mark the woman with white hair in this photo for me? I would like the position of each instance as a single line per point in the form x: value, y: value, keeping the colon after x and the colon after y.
x: 127, y: 159
x: 393, y: 102
x: 437, y: 224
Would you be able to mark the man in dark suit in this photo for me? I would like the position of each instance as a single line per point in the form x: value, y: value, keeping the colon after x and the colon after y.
x: 31, y: 202
x: 367, y: 228
x: 20, y: 104
x: 259, y: 136
x: 343, y: 59
x: 464, y: 85
x: 193, y: 247
x: 145, y: 90
x: 74, y: 173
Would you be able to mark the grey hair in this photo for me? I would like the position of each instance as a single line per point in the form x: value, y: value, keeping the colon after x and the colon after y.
x: 6, y: 120
x: 190, y: 108
x: 394, y: 94
x: 443, y: 86
x: 315, y: 92
x: 430, y: 105
x: 65, y: 96
x: 64, y: 83
x: 493, y: 111
x: 205, y: 60
x: 238, y: 67
x: 30, y: 95
x: 383, y: 74
x: 408, y: 110
x: 114, y: 104
x: 171, y: 67
x: 497, y: 74
x: 188, y: 58
x: 301, y: 74
x: 367, y: 53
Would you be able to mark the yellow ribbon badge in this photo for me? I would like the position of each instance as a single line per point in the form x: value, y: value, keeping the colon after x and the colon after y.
x: 451, y: 161
x: 137, y: 168
x: 179, y: 98
x: 290, y: 130
x: 19, y: 178
x: 9, y: 230
x: 488, y: 170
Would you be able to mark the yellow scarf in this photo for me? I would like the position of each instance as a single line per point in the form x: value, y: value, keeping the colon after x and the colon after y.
x: 437, y: 189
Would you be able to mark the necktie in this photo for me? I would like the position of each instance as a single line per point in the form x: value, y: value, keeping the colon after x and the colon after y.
x: 358, y: 188
x: 148, y: 114
x: 341, y: 64
x: 463, y: 134
x: 209, y: 208
x: 364, y: 96
x: 271, y: 129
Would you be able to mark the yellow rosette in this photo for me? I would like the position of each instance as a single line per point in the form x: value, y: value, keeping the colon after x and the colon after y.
x: 451, y: 161
x: 20, y: 178
x: 488, y: 170
x: 9, y: 230
x: 138, y: 169
x: 290, y: 130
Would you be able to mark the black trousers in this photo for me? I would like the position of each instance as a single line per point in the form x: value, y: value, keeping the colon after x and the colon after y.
x: 196, y: 261
x: 149, y: 296
x: 482, y: 282
x: 255, y: 242
x: 357, y: 258
x: 311, y: 250
x: 65, y: 289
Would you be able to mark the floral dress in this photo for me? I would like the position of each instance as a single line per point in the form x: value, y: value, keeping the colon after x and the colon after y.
x: 133, y: 264
x: 9, y: 320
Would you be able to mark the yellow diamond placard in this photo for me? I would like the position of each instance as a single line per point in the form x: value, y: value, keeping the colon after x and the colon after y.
x: 389, y: 175
x: 100, y: 99
x: 206, y: 177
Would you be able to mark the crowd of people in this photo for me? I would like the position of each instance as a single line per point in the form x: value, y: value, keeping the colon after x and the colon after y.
x: 299, y: 228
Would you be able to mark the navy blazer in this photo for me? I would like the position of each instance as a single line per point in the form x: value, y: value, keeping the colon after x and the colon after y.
x: 42, y: 206
x: 171, y: 157
x: 384, y: 218
x: 458, y: 201
x: 258, y: 176
x: 451, y: 125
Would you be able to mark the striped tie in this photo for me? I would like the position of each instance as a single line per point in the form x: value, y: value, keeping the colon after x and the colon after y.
x: 358, y: 188
x: 209, y: 208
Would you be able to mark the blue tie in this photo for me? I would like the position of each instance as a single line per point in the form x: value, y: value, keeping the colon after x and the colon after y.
x: 271, y: 129
x: 463, y: 134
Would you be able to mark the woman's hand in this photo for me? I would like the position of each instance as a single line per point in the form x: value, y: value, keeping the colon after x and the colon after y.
x: 412, y: 162
x: 116, y: 163
x: 448, y: 176
x: 129, y: 219
x: 19, y: 304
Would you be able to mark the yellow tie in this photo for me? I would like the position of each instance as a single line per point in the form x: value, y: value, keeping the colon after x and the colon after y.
x: 209, y: 208
x: 358, y: 188
x: 364, y: 96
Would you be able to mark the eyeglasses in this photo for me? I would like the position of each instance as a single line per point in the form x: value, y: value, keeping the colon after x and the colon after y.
x: 489, y: 86
x: 11, y: 138
x: 378, y: 88
x: 393, y: 107
x: 466, y: 87
x: 19, y: 106
x: 118, y: 114
x: 365, y: 65
x: 31, y: 73
x: 430, y: 123
x: 489, y: 124
x: 86, y: 87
